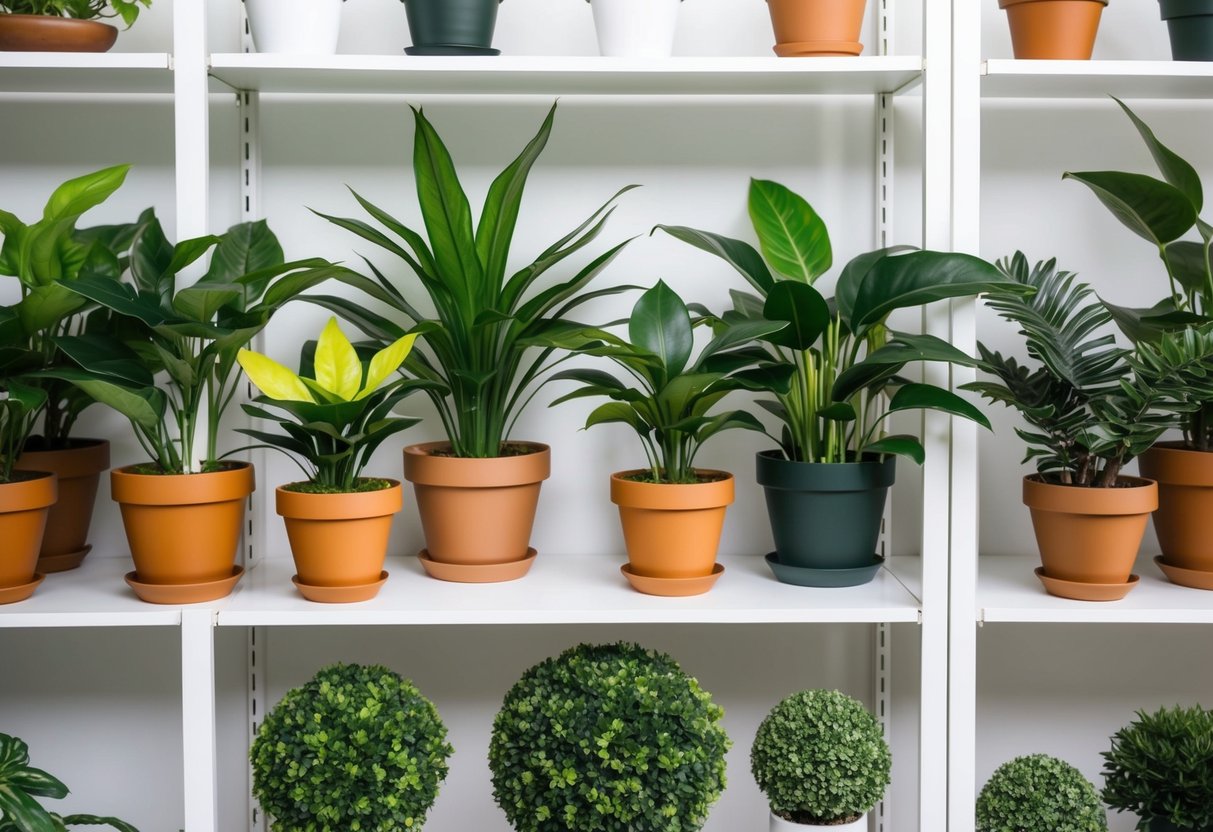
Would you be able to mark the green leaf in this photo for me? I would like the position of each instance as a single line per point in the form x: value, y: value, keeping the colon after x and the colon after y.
x: 98, y: 820
x: 929, y: 397
x: 151, y: 257
x: 793, y: 237
x: 43, y: 307
x: 901, y: 445
x: 243, y: 249
x: 144, y: 406
x: 853, y: 274
x: 75, y: 196
x: 35, y: 781
x: 200, y: 302
x: 661, y: 324
x: 1173, y: 167
x: 921, y: 277
x: 804, y: 309
x: 838, y: 412
x: 740, y: 255
x: 21, y: 809
x: 617, y: 412
x: 1187, y: 262
x: 733, y: 420
x: 1145, y: 325
x: 1152, y: 209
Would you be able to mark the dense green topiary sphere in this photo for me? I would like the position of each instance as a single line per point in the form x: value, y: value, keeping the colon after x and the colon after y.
x: 821, y: 758
x: 611, y: 738
x: 357, y: 749
x: 1039, y: 794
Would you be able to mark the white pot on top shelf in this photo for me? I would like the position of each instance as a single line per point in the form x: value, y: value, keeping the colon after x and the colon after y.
x: 295, y: 27
x: 635, y: 28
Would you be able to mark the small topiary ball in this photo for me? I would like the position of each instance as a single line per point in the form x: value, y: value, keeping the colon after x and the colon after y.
x: 357, y: 749
x: 821, y: 758
x: 1039, y: 794
x: 611, y: 738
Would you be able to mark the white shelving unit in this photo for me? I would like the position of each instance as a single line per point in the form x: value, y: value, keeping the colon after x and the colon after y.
x: 63, y: 72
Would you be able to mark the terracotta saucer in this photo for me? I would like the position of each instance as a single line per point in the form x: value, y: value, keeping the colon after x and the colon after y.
x: 340, y: 594
x: 185, y: 593
x: 672, y: 587
x: 481, y: 573
x: 818, y: 48
x: 1192, y: 578
x: 13, y: 594
x: 1086, y: 592
x: 64, y: 562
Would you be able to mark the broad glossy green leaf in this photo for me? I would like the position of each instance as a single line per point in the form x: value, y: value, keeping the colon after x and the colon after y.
x: 838, y: 412
x: 45, y: 306
x: 853, y: 274
x: 1174, y: 168
x: 144, y: 406
x: 804, y: 310
x: 733, y: 335
x: 1152, y: 209
x: 617, y: 412
x: 102, y: 354
x: 200, y: 302
x: 1148, y: 325
x: 921, y: 277
x: 930, y: 397
x: 151, y: 256
x: 733, y: 420
x: 22, y: 810
x: 30, y: 398
x: 901, y: 445
x: 793, y: 237
x: 118, y: 297
x: 244, y: 248
x: 37, y: 782
x: 740, y: 255
x: 75, y: 196
x: 1187, y: 260
x: 661, y: 324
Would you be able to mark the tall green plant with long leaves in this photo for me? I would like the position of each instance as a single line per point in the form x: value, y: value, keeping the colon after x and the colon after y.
x: 847, y: 362
x: 489, y: 340
x: 1090, y: 405
x: 1165, y: 212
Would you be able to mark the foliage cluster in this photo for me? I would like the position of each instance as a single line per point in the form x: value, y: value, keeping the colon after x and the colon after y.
x: 127, y: 10
x: 1039, y: 793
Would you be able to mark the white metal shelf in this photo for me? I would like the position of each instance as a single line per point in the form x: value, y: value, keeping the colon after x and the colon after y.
x: 1008, y: 591
x: 517, y: 75
x: 95, y: 595
x: 574, y: 589
x: 1006, y: 78
x: 66, y: 72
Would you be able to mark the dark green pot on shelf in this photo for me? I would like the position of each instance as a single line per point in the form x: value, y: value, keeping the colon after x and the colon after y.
x: 1190, y: 23
x: 1160, y: 825
x: 825, y: 516
x: 451, y: 27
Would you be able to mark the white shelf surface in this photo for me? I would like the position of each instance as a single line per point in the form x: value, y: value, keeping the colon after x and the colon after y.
x: 1007, y: 78
x: 95, y: 595
x: 110, y: 72
x: 563, y: 589
x: 1008, y: 591
x: 518, y: 75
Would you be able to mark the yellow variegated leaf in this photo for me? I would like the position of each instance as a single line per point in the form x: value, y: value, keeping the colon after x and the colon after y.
x: 385, y: 362
x: 272, y: 379
x: 338, y: 369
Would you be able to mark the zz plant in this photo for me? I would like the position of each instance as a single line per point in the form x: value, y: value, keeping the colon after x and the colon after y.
x: 485, y: 320
x: 1039, y: 793
x: 356, y: 748
x: 335, y: 412
x: 607, y: 738
x: 127, y: 10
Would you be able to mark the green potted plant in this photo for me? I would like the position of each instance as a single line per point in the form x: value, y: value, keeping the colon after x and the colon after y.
x: 1163, y: 212
x: 357, y: 747
x: 332, y: 417
x: 43, y: 256
x: 477, y: 353
x: 21, y: 784
x: 1057, y: 30
x: 452, y: 27
x: 672, y: 512
x: 63, y: 25
x: 1039, y: 793
x: 167, y: 364
x: 827, y: 483
x: 607, y: 738
x: 1091, y: 407
x: 1160, y: 768
x: 821, y: 759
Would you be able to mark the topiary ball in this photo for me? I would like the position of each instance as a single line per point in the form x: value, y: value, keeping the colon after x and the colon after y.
x: 357, y: 749
x: 821, y: 758
x: 1039, y: 793
x: 610, y: 738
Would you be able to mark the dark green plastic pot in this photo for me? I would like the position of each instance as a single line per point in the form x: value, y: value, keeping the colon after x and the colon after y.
x: 452, y: 23
x: 1190, y: 23
x: 825, y: 516
x: 1160, y: 825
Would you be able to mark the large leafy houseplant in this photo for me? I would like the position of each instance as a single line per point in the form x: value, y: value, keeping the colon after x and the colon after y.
x: 127, y: 10
x: 1039, y: 793
x: 607, y: 738
x: 1160, y: 767
x: 21, y: 784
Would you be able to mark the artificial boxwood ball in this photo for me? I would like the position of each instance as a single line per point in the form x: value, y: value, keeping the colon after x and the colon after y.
x: 821, y: 758
x: 357, y: 749
x: 610, y: 738
x: 1039, y: 793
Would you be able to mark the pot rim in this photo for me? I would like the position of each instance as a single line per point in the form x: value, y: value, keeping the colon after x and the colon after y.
x: 421, y: 467
x: 663, y: 496
x: 1173, y: 464
x: 1141, y: 497
x: 774, y: 471
x: 68, y: 22
x: 350, y: 505
x: 235, y: 483
x: 1003, y: 4
x: 1179, y: 9
x: 37, y: 492
x: 89, y: 457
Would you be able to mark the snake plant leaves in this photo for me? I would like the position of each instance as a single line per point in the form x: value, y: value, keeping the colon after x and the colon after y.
x: 1154, y: 210
x: 802, y: 307
x: 792, y: 235
x: 929, y: 397
x: 918, y: 278
x: 661, y: 324
x: 1173, y: 167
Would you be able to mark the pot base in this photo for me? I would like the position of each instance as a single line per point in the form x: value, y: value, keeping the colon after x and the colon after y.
x: 450, y: 49
x: 48, y: 564
x: 478, y: 573
x: 1191, y: 578
x: 340, y: 594
x: 1076, y: 591
x: 185, y: 593
x: 13, y: 594
x: 672, y: 587
x: 825, y: 578
x: 819, y: 49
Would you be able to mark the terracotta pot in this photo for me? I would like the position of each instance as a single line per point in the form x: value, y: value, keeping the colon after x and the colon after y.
x: 476, y: 511
x: 778, y: 824
x: 1090, y: 535
x: 24, y: 504
x: 183, y: 528
x: 78, y: 468
x: 46, y: 33
x: 833, y: 25
x: 340, y: 540
x: 672, y: 531
x: 1185, y: 503
x: 1060, y: 30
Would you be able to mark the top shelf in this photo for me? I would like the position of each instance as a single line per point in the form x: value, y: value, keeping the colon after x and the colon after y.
x: 1006, y: 78
x: 516, y: 75
x: 67, y: 72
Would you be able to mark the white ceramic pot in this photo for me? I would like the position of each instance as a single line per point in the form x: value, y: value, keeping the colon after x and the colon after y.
x: 778, y: 824
x: 297, y: 27
x: 635, y: 28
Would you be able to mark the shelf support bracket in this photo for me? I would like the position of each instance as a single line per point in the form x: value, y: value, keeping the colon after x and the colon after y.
x: 198, y: 720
